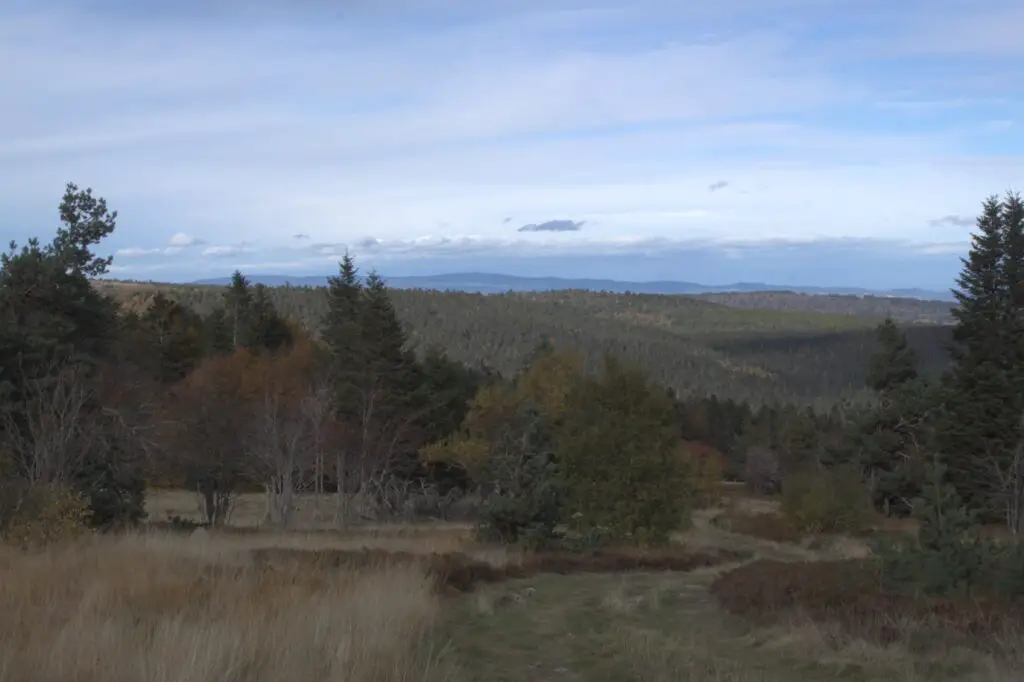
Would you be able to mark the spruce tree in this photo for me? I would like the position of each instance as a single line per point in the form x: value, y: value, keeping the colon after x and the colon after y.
x: 383, y: 334
x: 888, y: 441
x: 948, y: 556
x: 895, y: 362
x: 268, y: 330
x: 238, y: 301
x: 984, y: 390
x: 341, y: 331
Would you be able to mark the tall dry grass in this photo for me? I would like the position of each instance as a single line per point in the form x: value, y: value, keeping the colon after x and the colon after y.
x: 169, y: 609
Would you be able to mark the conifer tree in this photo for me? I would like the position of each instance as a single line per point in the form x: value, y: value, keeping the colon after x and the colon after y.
x: 895, y: 362
x: 342, y: 334
x: 268, y: 330
x: 984, y: 391
x: 888, y: 441
x: 238, y: 301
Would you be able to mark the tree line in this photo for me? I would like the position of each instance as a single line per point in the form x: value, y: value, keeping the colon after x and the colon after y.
x: 106, y: 400
x: 696, y: 347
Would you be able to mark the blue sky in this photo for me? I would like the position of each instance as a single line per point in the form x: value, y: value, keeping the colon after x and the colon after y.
x: 831, y: 142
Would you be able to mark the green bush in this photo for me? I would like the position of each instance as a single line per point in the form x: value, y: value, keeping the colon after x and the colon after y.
x: 116, y: 494
x: 834, y: 501
x: 619, y: 444
x: 949, y: 556
x: 531, y: 492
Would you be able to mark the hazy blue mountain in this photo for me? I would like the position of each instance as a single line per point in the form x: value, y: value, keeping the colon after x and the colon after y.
x: 489, y: 283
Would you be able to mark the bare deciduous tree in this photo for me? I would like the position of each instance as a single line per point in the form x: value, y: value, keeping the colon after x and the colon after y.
x: 49, y: 439
x: 278, y: 445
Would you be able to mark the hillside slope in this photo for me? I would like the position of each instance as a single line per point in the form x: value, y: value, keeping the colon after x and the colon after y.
x: 694, y: 345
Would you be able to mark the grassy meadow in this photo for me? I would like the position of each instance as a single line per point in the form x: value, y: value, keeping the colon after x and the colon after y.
x: 166, y: 606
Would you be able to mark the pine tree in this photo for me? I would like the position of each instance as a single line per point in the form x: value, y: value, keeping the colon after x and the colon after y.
x: 341, y: 331
x: 217, y: 333
x: 56, y: 327
x: 984, y: 391
x: 238, y: 301
x: 383, y: 334
x: 895, y: 362
x: 268, y: 330
x: 887, y: 441
x: 948, y: 556
x: 173, y: 339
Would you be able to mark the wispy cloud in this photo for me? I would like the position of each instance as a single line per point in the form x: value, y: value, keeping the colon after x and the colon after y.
x: 180, y: 239
x: 290, y: 126
x: 953, y: 221
x: 553, y: 226
x: 227, y: 251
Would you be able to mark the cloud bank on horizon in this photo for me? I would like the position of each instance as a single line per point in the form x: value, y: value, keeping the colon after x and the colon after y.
x: 833, y: 142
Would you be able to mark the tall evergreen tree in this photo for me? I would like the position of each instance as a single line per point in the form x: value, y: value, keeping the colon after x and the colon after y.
x: 341, y: 331
x: 888, y: 442
x: 173, y: 339
x: 56, y: 332
x: 268, y: 330
x: 383, y: 335
x: 984, y: 397
x: 895, y: 362
x: 238, y: 301
x: 217, y: 333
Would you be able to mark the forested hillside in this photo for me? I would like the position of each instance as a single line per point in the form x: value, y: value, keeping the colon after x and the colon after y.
x: 913, y: 310
x: 694, y: 345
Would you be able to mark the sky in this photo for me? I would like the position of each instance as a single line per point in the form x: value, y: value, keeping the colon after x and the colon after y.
x: 818, y: 142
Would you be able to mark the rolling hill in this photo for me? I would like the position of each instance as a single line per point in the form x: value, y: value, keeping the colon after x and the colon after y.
x: 491, y: 283
x: 695, y: 345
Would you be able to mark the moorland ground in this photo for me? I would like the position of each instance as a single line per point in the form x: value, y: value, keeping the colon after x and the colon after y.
x: 172, y: 607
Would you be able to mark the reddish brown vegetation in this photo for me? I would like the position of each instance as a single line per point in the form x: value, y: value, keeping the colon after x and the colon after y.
x: 850, y: 593
x: 457, y: 572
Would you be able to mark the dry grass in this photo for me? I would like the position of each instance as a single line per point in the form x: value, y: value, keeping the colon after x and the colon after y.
x: 167, y: 609
x: 364, y: 604
x: 312, y: 512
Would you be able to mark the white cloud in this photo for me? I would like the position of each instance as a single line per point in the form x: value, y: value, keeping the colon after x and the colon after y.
x: 180, y: 239
x: 137, y: 252
x: 223, y: 251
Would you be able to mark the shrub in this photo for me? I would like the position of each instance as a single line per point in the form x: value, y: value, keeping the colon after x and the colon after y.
x: 949, y: 556
x: 852, y: 595
x: 116, y: 494
x: 531, y: 492
x: 619, y: 445
x: 834, y: 501
x: 44, y: 514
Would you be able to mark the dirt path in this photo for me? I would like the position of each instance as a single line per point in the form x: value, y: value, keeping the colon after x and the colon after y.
x: 658, y: 627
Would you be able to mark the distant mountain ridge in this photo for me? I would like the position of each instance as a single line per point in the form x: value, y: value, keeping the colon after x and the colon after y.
x: 490, y: 283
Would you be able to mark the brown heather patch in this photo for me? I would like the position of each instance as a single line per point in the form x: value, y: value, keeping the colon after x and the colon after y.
x: 850, y: 595
x: 458, y: 572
